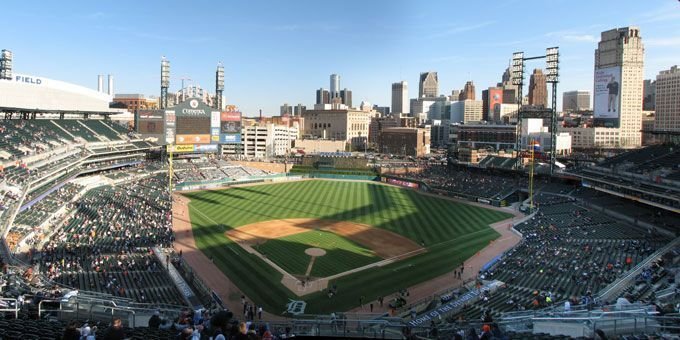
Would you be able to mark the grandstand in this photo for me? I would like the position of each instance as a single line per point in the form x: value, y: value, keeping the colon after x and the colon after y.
x: 84, y: 206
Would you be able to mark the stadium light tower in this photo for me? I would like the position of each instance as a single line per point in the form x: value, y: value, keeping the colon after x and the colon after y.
x: 219, y: 86
x: 6, y: 65
x: 552, y: 67
x: 517, y: 76
x: 165, y: 82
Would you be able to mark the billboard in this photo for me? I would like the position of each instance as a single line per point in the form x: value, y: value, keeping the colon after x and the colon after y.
x: 192, y: 139
x: 230, y: 127
x: 607, y: 95
x: 495, y: 100
x: 193, y: 148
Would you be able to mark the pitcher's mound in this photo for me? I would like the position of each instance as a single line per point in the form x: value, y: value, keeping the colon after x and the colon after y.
x: 315, y: 252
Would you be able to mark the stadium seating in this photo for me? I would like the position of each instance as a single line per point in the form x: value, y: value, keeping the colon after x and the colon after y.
x: 77, y: 129
x: 568, y: 252
x: 469, y: 183
x: 102, y: 129
x: 105, y: 245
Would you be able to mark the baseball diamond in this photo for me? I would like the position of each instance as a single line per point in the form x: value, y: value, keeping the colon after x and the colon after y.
x: 378, y: 239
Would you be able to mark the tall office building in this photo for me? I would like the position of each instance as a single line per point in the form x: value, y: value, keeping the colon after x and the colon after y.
x: 468, y: 92
x: 335, y: 86
x: 299, y: 109
x: 491, y: 97
x: 575, y: 101
x: 286, y: 109
x: 648, y: 95
x: 667, y: 116
x: 323, y: 96
x: 538, y: 90
x: 429, y: 85
x: 619, y: 62
x: 346, y: 97
x: 510, y: 91
x: 400, y: 102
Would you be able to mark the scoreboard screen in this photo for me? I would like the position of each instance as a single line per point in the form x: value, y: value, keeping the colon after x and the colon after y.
x: 187, y: 125
x: 150, y: 127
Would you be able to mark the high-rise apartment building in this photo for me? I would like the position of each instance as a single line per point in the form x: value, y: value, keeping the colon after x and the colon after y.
x: 346, y: 97
x: 538, y: 90
x: 575, y: 101
x: 429, y: 85
x: 667, y: 105
x: 400, y: 102
x: 335, y: 86
x: 468, y: 92
x: 618, y: 82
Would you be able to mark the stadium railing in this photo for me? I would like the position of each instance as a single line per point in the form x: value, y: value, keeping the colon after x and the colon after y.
x: 615, y: 288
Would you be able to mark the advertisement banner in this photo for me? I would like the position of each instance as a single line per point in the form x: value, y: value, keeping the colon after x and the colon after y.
x: 607, y: 96
x: 495, y: 100
x: 230, y: 127
x: 230, y: 138
x: 182, y: 148
x: 215, y: 131
x: 206, y: 148
x: 193, y: 139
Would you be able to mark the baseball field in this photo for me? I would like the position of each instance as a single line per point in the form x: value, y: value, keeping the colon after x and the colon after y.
x: 366, y: 239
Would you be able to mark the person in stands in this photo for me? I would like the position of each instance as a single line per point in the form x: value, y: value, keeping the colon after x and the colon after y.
x: 71, y: 332
x: 115, y: 332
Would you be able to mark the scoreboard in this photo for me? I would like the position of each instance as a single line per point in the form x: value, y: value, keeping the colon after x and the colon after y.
x: 191, y: 125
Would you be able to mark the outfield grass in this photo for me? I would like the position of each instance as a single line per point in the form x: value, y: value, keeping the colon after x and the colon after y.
x: 451, y: 231
x: 341, y: 254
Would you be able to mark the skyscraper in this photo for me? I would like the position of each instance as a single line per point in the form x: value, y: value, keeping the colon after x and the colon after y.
x: 346, y: 97
x: 575, y: 101
x: 538, y: 90
x: 400, y: 102
x: 286, y: 109
x: 648, y: 95
x: 468, y: 92
x: 323, y: 96
x: 510, y: 91
x: 619, y: 62
x: 667, y: 117
x: 335, y: 85
x: 429, y: 85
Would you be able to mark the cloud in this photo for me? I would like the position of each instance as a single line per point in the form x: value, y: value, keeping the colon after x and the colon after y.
x: 95, y: 15
x: 580, y: 38
x: 666, y: 42
x: 446, y: 59
x: 572, y: 35
x: 669, y: 11
x: 461, y: 29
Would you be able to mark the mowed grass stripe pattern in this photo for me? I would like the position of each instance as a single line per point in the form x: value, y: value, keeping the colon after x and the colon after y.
x: 441, y: 224
x: 341, y: 254
x: 406, y: 212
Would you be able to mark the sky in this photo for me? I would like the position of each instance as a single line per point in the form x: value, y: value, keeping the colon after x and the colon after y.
x: 277, y: 52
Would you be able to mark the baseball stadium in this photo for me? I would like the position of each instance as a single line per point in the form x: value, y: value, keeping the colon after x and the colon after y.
x: 154, y: 229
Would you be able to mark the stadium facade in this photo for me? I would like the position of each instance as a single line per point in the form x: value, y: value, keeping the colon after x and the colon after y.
x: 28, y: 92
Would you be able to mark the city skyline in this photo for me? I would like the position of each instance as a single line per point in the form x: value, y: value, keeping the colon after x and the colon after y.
x: 107, y: 39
